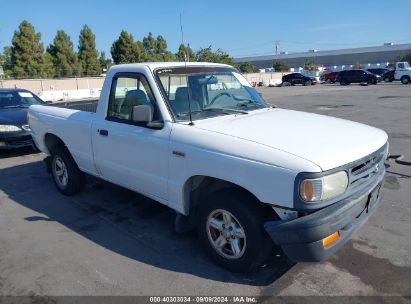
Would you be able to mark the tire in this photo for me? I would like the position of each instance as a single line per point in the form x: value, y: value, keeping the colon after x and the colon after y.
x: 244, y: 213
x: 286, y: 84
x: 387, y: 79
x: 344, y: 82
x: 308, y: 83
x: 67, y: 177
x: 328, y: 81
x: 405, y: 79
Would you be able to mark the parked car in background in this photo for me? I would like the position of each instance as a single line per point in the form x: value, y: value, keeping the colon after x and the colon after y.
x: 389, y: 76
x: 378, y: 72
x: 14, y: 129
x: 298, y: 78
x: 356, y: 76
x: 329, y: 77
x: 403, y: 72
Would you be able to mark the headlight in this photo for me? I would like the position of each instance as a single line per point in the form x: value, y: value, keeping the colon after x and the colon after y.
x: 324, y: 188
x: 9, y: 128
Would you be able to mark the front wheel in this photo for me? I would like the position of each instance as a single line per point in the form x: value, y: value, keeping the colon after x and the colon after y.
x: 67, y: 176
x: 405, y: 80
x: 308, y: 83
x: 231, y: 230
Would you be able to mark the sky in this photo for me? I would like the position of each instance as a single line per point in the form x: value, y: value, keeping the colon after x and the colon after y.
x: 241, y: 28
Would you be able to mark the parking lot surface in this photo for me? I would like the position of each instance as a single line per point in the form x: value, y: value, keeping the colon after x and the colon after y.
x: 110, y: 241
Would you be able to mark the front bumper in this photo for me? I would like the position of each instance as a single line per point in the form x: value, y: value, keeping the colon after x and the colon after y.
x: 301, y: 239
x: 15, y: 140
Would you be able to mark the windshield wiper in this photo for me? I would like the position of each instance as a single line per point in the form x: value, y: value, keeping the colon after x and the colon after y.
x: 247, y: 102
x: 219, y: 110
x: 225, y: 110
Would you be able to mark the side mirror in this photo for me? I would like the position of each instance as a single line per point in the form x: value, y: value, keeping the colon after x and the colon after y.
x: 142, y: 113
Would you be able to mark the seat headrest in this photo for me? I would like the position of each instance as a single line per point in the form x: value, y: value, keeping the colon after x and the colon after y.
x: 181, y: 94
x: 137, y: 95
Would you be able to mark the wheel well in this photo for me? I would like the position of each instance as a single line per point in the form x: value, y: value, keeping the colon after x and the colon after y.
x: 405, y: 76
x: 198, y: 187
x: 52, y: 142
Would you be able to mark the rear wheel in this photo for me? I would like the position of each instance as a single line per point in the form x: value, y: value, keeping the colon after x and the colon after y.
x: 405, y: 79
x: 308, y: 83
x: 387, y: 79
x: 286, y: 84
x: 344, y: 82
x: 231, y: 230
x: 67, y: 176
x: 328, y: 81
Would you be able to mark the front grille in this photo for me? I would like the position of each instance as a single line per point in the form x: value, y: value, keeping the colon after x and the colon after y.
x: 367, y: 169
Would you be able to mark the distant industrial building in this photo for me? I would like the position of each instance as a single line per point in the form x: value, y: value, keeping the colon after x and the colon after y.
x: 374, y: 55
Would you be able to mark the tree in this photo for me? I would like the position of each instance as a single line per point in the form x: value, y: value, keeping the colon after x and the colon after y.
x: 125, y: 50
x: 105, y: 63
x: 357, y: 66
x: 309, y: 65
x: 63, y: 56
x: 87, y: 54
x: 48, y: 69
x: 219, y: 56
x: 26, y: 53
x: 281, y: 66
x: 6, y: 61
x: 405, y: 57
x: 246, y: 67
x: 2, y: 64
x: 156, y: 49
x: 185, y: 52
x: 149, y: 43
x: 161, y: 45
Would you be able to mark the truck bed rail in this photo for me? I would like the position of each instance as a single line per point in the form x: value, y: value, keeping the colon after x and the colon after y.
x: 87, y: 105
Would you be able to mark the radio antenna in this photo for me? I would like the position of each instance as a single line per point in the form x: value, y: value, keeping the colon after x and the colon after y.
x: 185, y: 68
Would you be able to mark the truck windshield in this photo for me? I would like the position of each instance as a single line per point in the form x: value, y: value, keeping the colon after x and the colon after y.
x: 211, y: 91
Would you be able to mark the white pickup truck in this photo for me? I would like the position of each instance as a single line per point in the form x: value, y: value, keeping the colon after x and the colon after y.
x: 403, y: 72
x: 199, y: 139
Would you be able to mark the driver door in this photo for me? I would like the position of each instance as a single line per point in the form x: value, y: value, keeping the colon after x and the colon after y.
x: 128, y: 153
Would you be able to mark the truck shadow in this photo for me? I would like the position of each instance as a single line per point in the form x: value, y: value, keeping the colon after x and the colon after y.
x: 126, y: 223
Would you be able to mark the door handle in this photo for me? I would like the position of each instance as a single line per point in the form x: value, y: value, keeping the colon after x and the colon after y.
x: 103, y: 132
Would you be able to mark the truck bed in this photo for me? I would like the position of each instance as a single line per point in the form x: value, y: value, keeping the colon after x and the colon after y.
x: 87, y: 105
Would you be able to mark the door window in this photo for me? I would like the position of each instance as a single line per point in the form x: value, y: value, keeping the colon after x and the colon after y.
x: 126, y: 93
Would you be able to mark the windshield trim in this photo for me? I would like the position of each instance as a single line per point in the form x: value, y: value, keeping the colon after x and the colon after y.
x: 201, y: 68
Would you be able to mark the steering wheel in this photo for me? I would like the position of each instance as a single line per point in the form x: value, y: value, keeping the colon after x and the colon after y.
x: 218, y: 96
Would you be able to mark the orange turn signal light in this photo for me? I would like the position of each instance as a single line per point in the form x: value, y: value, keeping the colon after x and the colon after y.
x: 331, y: 239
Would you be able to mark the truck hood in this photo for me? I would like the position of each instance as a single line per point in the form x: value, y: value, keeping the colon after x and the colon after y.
x: 326, y: 141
